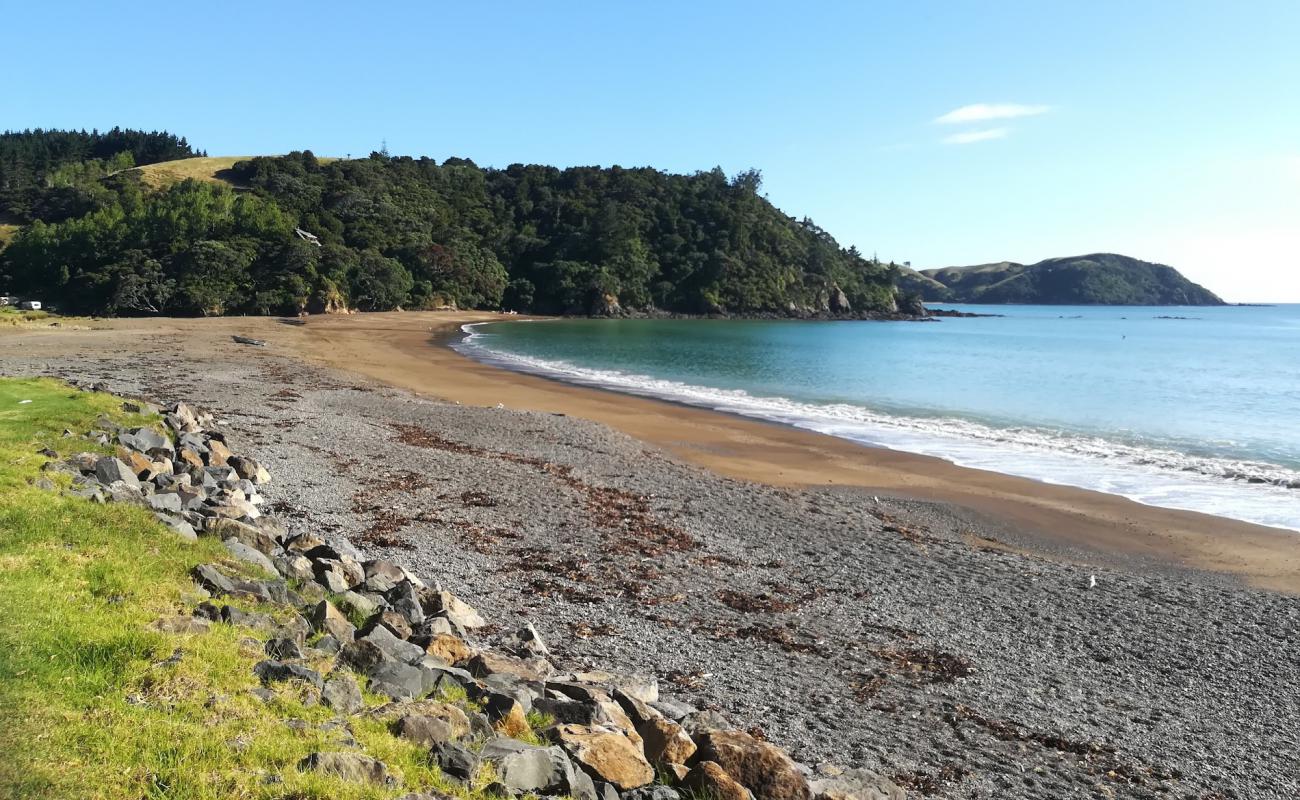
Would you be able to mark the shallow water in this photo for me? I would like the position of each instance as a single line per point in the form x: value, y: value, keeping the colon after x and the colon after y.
x: 1191, y: 408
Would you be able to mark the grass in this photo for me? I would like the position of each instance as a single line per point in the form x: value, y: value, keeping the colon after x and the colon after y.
x: 18, y: 318
x: 205, y: 168
x: 7, y: 233
x: 99, y: 705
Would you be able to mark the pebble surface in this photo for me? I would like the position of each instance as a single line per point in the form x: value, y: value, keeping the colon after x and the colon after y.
x: 872, y: 633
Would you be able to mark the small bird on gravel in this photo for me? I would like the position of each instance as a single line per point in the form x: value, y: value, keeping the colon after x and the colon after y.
x: 1092, y: 581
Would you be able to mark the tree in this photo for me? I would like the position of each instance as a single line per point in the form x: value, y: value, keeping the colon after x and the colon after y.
x: 379, y: 283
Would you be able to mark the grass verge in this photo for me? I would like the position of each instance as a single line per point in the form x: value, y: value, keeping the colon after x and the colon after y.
x: 97, y: 704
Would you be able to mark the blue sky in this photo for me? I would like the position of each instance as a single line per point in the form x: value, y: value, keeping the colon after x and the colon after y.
x: 1165, y: 130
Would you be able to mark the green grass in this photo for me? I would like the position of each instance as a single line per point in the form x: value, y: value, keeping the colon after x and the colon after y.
x: 95, y: 705
x: 204, y: 168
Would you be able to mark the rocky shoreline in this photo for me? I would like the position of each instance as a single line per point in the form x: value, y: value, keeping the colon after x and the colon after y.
x: 608, y: 736
x: 888, y: 635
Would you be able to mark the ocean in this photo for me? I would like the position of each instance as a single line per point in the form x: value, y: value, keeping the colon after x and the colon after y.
x: 1188, y: 408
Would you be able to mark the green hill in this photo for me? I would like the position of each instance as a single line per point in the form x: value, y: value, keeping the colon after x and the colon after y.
x: 1096, y: 279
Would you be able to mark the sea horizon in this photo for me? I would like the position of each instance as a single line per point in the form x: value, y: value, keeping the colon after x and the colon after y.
x: 1181, y: 407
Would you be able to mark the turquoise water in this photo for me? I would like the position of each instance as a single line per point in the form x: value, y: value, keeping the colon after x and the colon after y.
x: 1199, y: 412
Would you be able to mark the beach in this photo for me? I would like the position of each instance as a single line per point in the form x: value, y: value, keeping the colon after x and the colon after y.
x: 928, y: 621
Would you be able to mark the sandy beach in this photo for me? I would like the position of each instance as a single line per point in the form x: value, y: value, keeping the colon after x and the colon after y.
x: 857, y: 605
x: 404, y: 350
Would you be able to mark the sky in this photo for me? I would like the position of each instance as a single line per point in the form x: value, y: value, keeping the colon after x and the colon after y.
x: 933, y: 133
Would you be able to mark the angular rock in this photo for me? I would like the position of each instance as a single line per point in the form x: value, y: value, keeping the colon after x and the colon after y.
x: 283, y: 648
x: 213, y: 579
x: 248, y: 555
x: 400, y: 650
x: 251, y: 535
x: 166, y: 502
x: 382, y: 576
x: 190, y: 458
x: 522, y: 767
x: 218, y: 453
x: 330, y: 577
x: 325, y: 617
x: 341, y: 693
x: 394, y: 622
x: 508, y: 716
x: 652, y: 793
x: 761, y: 767
x: 488, y: 663
x: 249, y: 469
x: 363, y: 656
x: 457, y: 611
x: 398, y: 681
x: 293, y: 567
x: 707, y: 779
x: 349, y: 767
x: 427, y: 731
x: 605, y: 753
x: 270, y: 671
x: 178, y: 526
x: 665, y: 742
x: 447, y: 648
x: 857, y: 784
x: 455, y: 760
x: 529, y: 641
x: 110, y: 470
x: 146, y: 440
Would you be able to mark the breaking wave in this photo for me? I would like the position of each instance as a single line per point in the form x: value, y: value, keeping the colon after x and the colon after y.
x: 1253, y: 491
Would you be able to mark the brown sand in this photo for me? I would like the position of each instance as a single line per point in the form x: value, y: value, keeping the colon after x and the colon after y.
x: 403, y: 350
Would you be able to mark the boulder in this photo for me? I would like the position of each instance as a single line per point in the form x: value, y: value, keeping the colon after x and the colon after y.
x: 284, y: 648
x: 394, y: 622
x: 455, y: 760
x: 165, y: 502
x: 139, y: 463
x: 856, y: 784
x: 248, y: 555
x: 331, y: 577
x: 488, y: 663
x: 218, y: 453
x: 251, y: 535
x: 707, y: 779
x: 382, y: 576
x: 761, y: 767
x: 249, y: 469
x: 146, y: 440
x: 294, y: 567
x: 397, y: 680
x: 326, y: 618
x: 605, y: 753
x: 523, y: 768
x: 457, y: 611
x: 181, y: 624
x: 271, y: 670
x: 178, y: 526
x: 189, y: 458
x: 399, y: 650
x: 665, y: 742
x: 423, y: 730
x: 357, y: 605
x: 349, y: 767
x: 508, y: 716
x: 528, y: 642
x: 363, y: 656
x: 110, y: 470
x: 656, y: 792
x: 342, y: 694
x: 445, y: 647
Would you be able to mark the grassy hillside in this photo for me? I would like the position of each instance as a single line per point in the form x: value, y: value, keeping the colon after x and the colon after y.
x: 1096, y: 279
x: 912, y: 282
x: 207, y: 168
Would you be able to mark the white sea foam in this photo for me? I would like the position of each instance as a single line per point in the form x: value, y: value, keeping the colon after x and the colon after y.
x: 1263, y: 493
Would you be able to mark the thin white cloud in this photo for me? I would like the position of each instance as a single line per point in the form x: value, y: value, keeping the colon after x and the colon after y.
x: 983, y: 112
x: 970, y: 137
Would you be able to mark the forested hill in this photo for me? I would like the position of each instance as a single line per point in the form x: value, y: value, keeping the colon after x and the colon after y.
x: 413, y: 233
x: 53, y: 175
x: 1097, y: 279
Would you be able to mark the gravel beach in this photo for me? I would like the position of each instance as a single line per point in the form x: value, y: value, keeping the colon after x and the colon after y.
x: 897, y: 635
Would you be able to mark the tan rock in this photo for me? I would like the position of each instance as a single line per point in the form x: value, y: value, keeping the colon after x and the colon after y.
x: 250, y: 535
x: 508, y: 717
x: 665, y: 742
x: 218, y: 453
x: 455, y: 718
x: 139, y: 463
x: 605, y: 753
x: 761, y: 767
x: 707, y: 779
x: 449, y: 648
x: 487, y: 663
x: 181, y: 624
x: 189, y: 458
x: 325, y: 618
